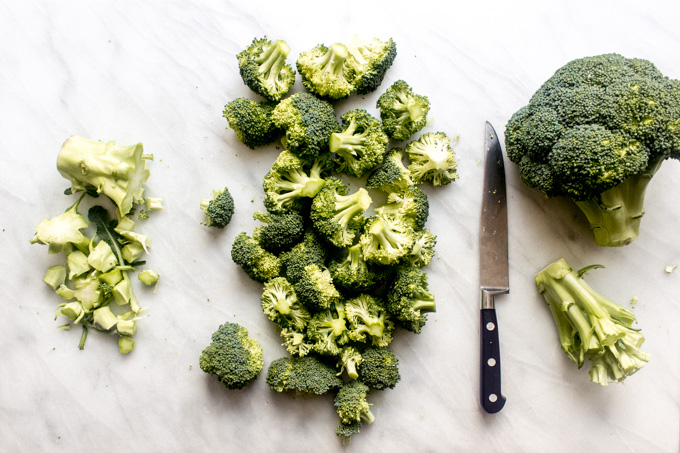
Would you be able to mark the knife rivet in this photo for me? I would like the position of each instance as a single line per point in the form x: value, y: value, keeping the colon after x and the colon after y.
x: 490, y: 326
x: 491, y: 362
x: 493, y: 398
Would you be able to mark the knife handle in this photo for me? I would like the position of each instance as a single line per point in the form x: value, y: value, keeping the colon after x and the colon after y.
x: 490, y: 380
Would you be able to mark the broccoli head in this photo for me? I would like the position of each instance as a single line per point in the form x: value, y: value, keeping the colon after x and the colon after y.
x: 361, y: 144
x: 282, y: 306
x: 219, y: 209
x: 370, y: 58
x: 303, y: 375
x: 408, y: 298
x: 256, y: 262
x: 391, y: 175
x: 386, y: 240
x: 379, y: 368
x: 368, y: 320
x: 310, y: 251
x: 351, y: 405
x: 252, y: 121
x: 432, y: 159
x: 326, y: 72
x: 315, y: 288
x: 402, y: 111
x: 279, y: 232
x: 232, y: 356
x: 596, y: 132
x: 327, y: 330
x: 411, y: 205
x: 264, y: 69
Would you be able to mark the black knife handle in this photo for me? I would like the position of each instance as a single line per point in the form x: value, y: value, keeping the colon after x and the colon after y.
x: 490, y: 380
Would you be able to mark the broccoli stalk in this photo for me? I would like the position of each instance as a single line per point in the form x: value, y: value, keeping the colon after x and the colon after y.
x: 63, y: 230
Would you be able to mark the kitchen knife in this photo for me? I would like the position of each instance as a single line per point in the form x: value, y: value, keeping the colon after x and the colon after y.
x: 494, y: 277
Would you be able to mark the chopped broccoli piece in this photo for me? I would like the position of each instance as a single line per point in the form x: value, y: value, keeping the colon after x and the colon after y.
x: 409, y: 300
x: 149, y: 277
x: 315, y: 288
x: 327, y: 330
x: 411, y: 206
x: 282, y: 306
x: 379, y: 368
x: 264, y: 69
x: 345, y: 431
x: 350, y: 358
x: 391, y: 175
x: 62, y: 232
x: 361, y: 143
x: 252, y: 121
x: 354, y: 275
x: 386, y: 240
x: 219, y: 209
x: 296, y: 343
x: 422, y: 251
x: 370, y: 59
x: 256, y: 262
x: 351, y: 405
x: 280, y: 232
x: 326, y: 72
x: 310, y: 251
x: 403, y: 112
x: 369, y: 321
x: 432, y: 159
x: 304, y: 375
x: 232, y: 356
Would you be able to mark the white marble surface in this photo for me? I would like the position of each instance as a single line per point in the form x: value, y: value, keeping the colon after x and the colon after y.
x: 160, y: 72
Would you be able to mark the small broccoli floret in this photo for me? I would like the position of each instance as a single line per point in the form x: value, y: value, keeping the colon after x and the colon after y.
x: 62, y: 232
x: 280, y: 232
x: 345, y: 431
x: 369, y: 321
x: 282, y: 306
x: 409, y: 300
x: 370, y: 59
x: 432, y: 159
x: 232, y: 356
x: 326, y: 72
x: 410, y: 205
x: 296, y: 343
x: 264, y: 69
x: 422, y: 251
x: 252, y: 121
x: 403, y: 112
x: 308, y: 123
x: 391, y: 176
x: 361, y: 143
x: 379, y: 368
x: 219, y: 209
x: 354, y: 275
x: 327, y: 330
x: 315, y: 288
x: 590, y: 325
x: 337, y: 216
x: 304, y: 375
x: 350, y: 358
x: 351, y: 405
x: 386, y: 240
x: 118, y: 172
x: 256, y: 262
x: 310, y: 251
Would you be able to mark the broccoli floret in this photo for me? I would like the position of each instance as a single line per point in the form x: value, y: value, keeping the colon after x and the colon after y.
x: 62, y: 233
x: 303, y: 375
x: 590, y: 325
x: 596, y: 132
x: 296, y: 343
x: 411, y: 205
x: 280, y: 232
x: 337, y: 215
x: 310, y: 251
x: 118, y: 172
x: 264, y: 69
x: 409, y: 300
x: 315, y: 288
x: 327, y: 330
x: 370, y: 58
x: 252, y: 121
x: 281, y: 305
x: 326, y: 72
x: 354, y: 275
x: 345, y: 431
x: 232, y: 356
x: 386, y: 240
x: 402, y: 111
x: 361, y: 144
x: 351, y: 405
x: 379, y: 368
x: 422, y: 251
x: 368, y: 320
x: 432, y: 159
x: 219, y: 209
x: 308, y: 123
x: 350, y: 358
x: 391, y: 176
x: 292, y: 181
x: 256, y: 262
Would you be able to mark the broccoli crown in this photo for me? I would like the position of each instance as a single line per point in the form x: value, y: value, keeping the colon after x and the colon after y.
x: 402, y: 111
x: 256, y: 262
x: 360, y: 145
x: 264, y: 69
x: 337, y: 215
x: 379, y: 368
x: 232, y: 356
x: 305, y: 375
x: 296, y: 343
x: 351, y: 405
x: 391, y: 175
x: 252, y: 121
x: 371, y: 58
x: 280, y: 232
x: 308, y: 123
x: 315, y: 288
x: 281, y: 305
x: 423, y: 248
x: 368, y: 320
x: 386, y: 240
x: 354, y: 275
x: 310, y: 251
x: 591, y: 326
x: 432, y: 159
x: 219, y: 209
x: 327, y: 330
x: 410, y: 205
x: 349, y: 358
x: 408, y: 298
x: 326, y: 72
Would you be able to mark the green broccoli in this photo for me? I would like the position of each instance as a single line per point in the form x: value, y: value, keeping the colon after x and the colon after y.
x: 391, y: 176
x: 219, y: 209
x: 280, y: 232
x: 351, y: 405
x: 360, y: 145
x: 308, y: 123
x: 354, y: 275
x: 327, y: 330
x: 282, y: 306
x: 256, y: 262
x: 326, y: 72
x: 368, y: 320
x: 402, y: 111
x: 386, y: 240
x: 252, y: 121
x: 232, y: 356
x: 264, y: 69
x: 297, y: 344
x: 410, y: 205
x: 303, y: 375
x: 379, y: 368
x: 315, y: 288
x: 409, y: 300
x: 310, y: 251
x: 63, y: 232
x: 370, y: 59
x: 596, y: 132
x: 422, y: 251
x: 432, y: 159
x: 590, y: 325
x: 350, y: 358
x: 345, y: 431
x: 337, y: 215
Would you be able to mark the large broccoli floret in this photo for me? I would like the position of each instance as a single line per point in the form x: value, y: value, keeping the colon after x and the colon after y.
x: 315, y: 288
x: 596, y: 132
x: 218, y: 209
x: 391, y: 175
x: 304, y: 375
x: 386, y: 240
x: 328, y: 331
x: 370, y: 58
x: 432, y: 159
x: 337, y: 215
x: 369, y: 322
x: 281, y: 305
x: 264, y: 69
x: 308, y: 123
x: 232, y: 356
x: 591, y: 326
x: 310, y: 251
x: 351, y: 405
x: 256, y: 262
x: 252, y: 121
x: 402, y: 111
x: 379, y: 368
x: 280, y: 232
x: 409, y: 300
x: 326, y: 72
x: 361, y: 144
x: 411, y: 205
x: 354, y: 275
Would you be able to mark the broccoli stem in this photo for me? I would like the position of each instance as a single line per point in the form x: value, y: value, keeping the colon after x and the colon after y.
x: 271, y: 62
x: 348, y: 206
x: 348, y: 142
x: 333, y: 61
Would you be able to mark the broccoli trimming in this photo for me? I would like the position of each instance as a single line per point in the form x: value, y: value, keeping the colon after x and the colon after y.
x: 279, y: 232
x: 218, y: 209
x: 379, y: 368
x: 409, y: 300
x: 402, y: 111
x: 256, y: 262
x: 252, y: 121
x: 281, y: 305
x: 391, y: 175
x: 264, y: 69
x: 432, y: 159
x: 360, y: 145
x: 596, y: 132
x: 303, y: 375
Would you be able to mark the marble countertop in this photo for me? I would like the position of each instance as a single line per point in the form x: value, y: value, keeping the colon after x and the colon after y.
x: 160, y: 73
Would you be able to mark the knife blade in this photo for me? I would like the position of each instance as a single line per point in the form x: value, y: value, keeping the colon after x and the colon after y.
x: 494, y: 271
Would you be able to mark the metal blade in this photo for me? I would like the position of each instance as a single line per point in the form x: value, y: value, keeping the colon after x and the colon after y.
x: 494, y: 224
